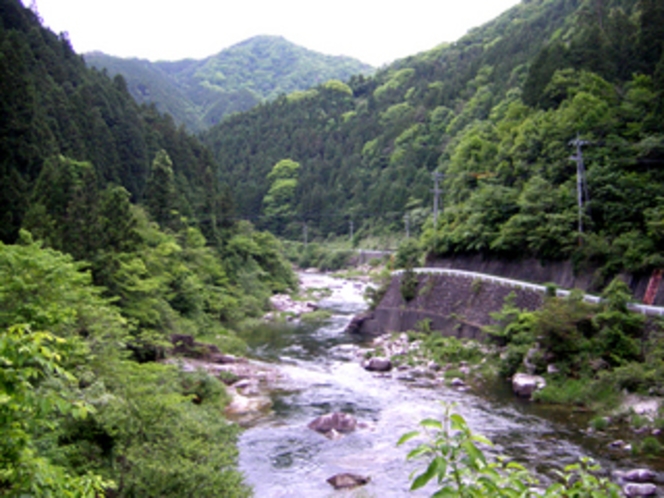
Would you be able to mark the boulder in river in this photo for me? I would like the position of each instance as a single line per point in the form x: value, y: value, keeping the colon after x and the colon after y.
x: 639, y: 475
x: 640, y: 489
x: 357, y: 323
x: 242, y: 405
x: 347, y: 481
x: 377, y: 364
x: 336, y: 421
x: 525, y: 385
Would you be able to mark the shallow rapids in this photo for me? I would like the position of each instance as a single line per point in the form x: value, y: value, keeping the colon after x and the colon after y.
x: 321, y: 373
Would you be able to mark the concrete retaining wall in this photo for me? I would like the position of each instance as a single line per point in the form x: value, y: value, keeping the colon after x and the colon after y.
x: 455, y: 305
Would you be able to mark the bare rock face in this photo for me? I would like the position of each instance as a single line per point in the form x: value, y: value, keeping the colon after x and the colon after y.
x: 347, y: 481
x: 378, y: 365
x: 525, y: 385
x: 331, y: 423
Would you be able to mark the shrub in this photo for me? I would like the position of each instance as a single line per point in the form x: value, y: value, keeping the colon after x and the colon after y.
x: 409, y: 284
x: 649, y: 446
x: 460, y: 468
x: 408, y: 254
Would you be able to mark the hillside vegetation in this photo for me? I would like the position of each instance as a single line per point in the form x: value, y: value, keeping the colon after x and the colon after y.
x: 199, y: 93
x: 115, y: 238
x: 494, y: 113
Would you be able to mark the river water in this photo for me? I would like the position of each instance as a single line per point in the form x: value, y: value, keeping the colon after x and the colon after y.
x: 321, y: 373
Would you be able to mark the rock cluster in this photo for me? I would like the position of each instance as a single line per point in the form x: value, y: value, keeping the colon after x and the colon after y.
x: 187, y: 346
x: 637, y: 482
x: 283, y: 303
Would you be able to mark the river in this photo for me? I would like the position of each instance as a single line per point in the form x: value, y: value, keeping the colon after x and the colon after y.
x: 321, y: 373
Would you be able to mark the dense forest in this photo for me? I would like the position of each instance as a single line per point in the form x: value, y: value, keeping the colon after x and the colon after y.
x: 199, y: 93
x: 115, y: 237
x: 494, y: 114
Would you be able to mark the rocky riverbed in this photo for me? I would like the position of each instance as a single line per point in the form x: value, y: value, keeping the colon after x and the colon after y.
x: 324, y: 409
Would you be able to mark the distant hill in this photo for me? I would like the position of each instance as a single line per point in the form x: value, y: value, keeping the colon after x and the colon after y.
x: 199, y: 93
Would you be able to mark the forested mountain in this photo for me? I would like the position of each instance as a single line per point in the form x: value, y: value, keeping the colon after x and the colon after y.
x: 494, y: 113
x: 116, y: 238
x: 199, y: 93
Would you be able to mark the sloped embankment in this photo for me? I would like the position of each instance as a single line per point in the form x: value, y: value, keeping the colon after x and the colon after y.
x: 454, y: 305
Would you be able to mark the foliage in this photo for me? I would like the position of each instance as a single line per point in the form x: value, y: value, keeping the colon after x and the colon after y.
x: 408, y: 284
x: 598, y: 350
x: 459, y: 467
x: 497, y: 125
x: 444, y: 350
x: 201, y: 93
x: 78, y: 416
x: 374, y: 293
x: 408, y: 254
x: 278, y: 202
x: 31, y: 400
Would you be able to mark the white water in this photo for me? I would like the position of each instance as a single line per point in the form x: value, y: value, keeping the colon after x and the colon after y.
x: 281, y: 457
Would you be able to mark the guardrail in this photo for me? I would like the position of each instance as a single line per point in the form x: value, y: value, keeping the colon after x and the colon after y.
x: 638, y: 308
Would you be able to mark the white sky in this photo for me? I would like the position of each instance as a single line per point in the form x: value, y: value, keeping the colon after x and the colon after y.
x: 376, y: 32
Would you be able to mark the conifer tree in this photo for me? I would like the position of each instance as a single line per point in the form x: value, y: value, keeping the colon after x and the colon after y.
x: 160, y: 195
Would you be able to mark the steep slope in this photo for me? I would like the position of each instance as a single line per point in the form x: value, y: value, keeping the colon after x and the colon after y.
x: 199, y: 93
x: 494, y: 113
x: 368, y: 154
x: 51, y: 104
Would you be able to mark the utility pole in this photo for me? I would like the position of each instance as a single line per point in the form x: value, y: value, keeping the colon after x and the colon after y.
x: 351, y: 229
x: 437, y: 177
x: 581, y: 184
x: 406, y: 220
x: 305, y: 233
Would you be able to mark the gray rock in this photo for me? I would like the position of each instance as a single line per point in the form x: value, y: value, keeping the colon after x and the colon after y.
x: 640, y: 489
x: 525, y: 385
x: 457, y: 382
x: 618, y: 444
x: 639, y: 475
x: 336, y: 421
x: 378, y: 365
x: 464, y: 369
x: 347, y: 481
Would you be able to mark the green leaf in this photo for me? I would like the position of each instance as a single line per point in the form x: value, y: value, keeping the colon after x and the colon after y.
x: 481, y: 439
x: 458, y: 422
x: 431, y: 423
x: 421, y: 450
x: 407, y: 437
x: 446, y: 492
x: 423, y: 479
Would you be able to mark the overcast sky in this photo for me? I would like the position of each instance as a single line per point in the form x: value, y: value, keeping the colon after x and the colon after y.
x: 376, y: 32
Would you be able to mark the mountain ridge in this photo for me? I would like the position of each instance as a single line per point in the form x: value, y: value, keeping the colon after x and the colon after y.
x: 201, y: 92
